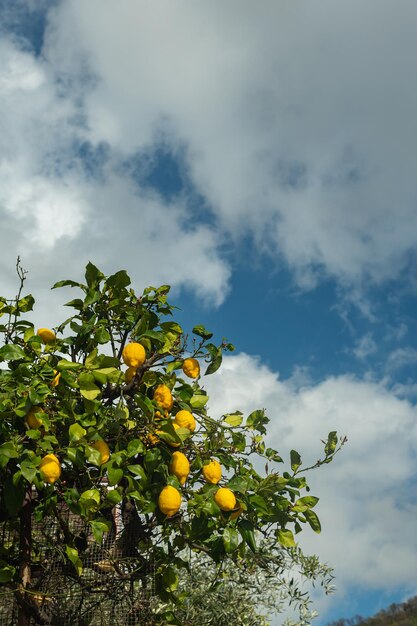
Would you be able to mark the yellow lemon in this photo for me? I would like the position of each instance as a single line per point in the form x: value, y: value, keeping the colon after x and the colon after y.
x: 31, y: 419
x: 163, y: 396
x: 47, y: 335
x: 191, y: 368
x: 225, y: 499
x: 179, y: 466
x: 55, y: 380
x: 159, y: 416
x: 103, y: 448
x: 169, y: 500
x: 130, y: 373
x: 212, y: 472
x: 185, y: 419
x: 50, y: 468
x: 134, y: 355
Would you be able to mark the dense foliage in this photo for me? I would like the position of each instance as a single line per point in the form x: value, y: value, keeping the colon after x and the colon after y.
x: 90, y: 424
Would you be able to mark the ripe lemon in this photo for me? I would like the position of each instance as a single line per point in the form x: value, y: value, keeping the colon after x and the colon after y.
x: 179, y: 466
x: 225, y: 499
x: 185, y: 419
x: 169, y: 500
x: 134, y: 355
x: 212, y: 472
x: 55, y: 380
x: 50, y: 468
x: 163, y: 396
x: 47, y: 335
x: 130, y: 373
x: 31, y: 419
x: 191, y: 368
x: 103, y: 448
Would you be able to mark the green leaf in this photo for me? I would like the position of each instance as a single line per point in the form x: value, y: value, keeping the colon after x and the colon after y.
x: 77, y: 303
x: 233, y: 419
x: 134, y: 447
x: 92, y: 275
x: 8, y: 450
x: 313, y: 520
x: 99, y: 527
x: 215, y: 363
x: 76, y: 457
x: 93, y: 456
x: 273, y: 455
x: 29, y: 333
x: 247, y: 532
x: 89, y: 390
x: 115, y: 474
x: 91, y: 494
x: 63, y: 364
x: 107, y: 374
x: 286, y: 538
x: 102, y: 335
x: 171, y: 327
x: 26, y: 304
x: 257, y: 420
x: 230, y: 539
x: 91, y: 360
x: 6, y: 573
x: 174, y: 365
x: 295, y: 460
x: 137, y: 470
x: 113, y: 497
x: 28, y: 470
x: 11, y: 352
x: 259, y: 504
x: 152, y: 460
x: 67, y: 283
x: 331, y: 443
x: 199, y: 400
x: 119, y: 280
x: 239, y: 483
x: 108, y: 361
x: 72, y: 554
x: 307, y: 502
x: 202, y: 332
x: 76, y: 432
x: 170, y: 579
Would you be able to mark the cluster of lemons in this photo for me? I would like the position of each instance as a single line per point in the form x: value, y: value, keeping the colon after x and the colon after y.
x: 169, y: 501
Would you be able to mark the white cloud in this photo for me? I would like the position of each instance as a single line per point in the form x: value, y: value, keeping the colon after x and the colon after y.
x: 292, y: 132
x: 365, y: 504
x: 364, y: 347
x: 401, y: 357
x: 46, y: 210
x: 57, y: 217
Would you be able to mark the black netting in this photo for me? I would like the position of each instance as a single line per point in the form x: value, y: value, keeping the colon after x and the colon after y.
x: 116, y: 586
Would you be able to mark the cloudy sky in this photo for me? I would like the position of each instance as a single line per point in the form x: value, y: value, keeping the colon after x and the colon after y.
x: 261, y: 158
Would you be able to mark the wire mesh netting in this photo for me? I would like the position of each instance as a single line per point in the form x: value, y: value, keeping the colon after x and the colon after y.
x: 116, y: 584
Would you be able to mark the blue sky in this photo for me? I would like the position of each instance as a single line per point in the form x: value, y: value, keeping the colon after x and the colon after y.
x: 260, y: 158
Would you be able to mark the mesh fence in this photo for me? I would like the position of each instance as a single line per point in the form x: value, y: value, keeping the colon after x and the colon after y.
x: 116, y: 586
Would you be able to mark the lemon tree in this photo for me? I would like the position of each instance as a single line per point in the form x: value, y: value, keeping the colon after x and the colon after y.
x: 107, y: 413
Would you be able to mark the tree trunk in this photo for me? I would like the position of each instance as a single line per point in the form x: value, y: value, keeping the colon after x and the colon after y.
x: 25, y: 552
